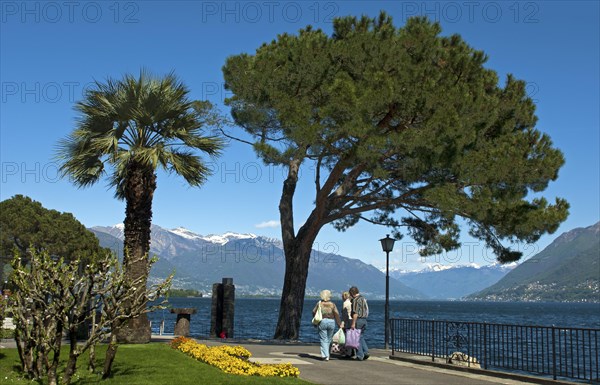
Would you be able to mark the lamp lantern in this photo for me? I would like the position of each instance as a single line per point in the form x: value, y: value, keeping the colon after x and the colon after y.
x: 387, y: 244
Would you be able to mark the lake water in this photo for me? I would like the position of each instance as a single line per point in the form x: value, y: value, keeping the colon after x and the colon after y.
x: 257, y: 318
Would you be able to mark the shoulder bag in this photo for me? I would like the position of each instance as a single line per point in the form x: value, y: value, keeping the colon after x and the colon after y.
x: 318, y: 316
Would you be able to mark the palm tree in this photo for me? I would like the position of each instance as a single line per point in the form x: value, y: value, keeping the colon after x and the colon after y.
x: 126, y: 130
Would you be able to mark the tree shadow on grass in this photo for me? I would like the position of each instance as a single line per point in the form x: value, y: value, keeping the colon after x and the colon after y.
x: 122, y: 371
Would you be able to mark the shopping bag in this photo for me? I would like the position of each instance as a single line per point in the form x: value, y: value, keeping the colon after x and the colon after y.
x: 352, y: 338
x: 339, y: 337
x: 318, y: 316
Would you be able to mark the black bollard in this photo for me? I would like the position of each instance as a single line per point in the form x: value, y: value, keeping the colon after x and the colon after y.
x: 222, y: 309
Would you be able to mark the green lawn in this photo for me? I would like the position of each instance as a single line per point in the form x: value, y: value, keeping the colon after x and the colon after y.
x: 154, y: 363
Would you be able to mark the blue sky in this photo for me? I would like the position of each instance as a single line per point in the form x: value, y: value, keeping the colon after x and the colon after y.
x: 51, y: 51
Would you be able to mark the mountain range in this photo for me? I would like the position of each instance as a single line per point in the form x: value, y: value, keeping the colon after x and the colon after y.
x: 452, y: 282
x: 255, y: 263
x: 566, y: 270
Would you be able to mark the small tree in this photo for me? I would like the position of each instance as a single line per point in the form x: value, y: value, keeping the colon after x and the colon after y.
x: 3, y: 308
x: 53, y: 297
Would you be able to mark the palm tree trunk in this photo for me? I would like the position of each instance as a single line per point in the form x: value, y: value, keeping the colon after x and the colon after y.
x: 139, y: 191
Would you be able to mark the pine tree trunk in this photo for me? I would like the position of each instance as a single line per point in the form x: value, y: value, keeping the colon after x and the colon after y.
x: 297, y: 249
x: 139, y: 191
x: 297, y: 259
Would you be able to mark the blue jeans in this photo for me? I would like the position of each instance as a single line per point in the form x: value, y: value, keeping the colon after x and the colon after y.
x: 326, y: 328
x: 363, y: 349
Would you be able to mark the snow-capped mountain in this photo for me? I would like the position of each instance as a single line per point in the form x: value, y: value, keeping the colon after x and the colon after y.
x: 256, y: 263
x: 185, y: 233
x: 452, y: 281
x: 435, y: 267
x: 212, y: 238
x: 170, y: 243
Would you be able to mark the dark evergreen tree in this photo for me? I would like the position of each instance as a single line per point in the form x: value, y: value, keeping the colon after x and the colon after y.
x: 404, y: 128
x: 26, y: 225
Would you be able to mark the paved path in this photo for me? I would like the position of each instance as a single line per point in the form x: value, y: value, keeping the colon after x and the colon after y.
x: 378, y: 369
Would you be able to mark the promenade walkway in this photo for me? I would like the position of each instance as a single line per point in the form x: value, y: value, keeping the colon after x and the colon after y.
x: 378, y: 369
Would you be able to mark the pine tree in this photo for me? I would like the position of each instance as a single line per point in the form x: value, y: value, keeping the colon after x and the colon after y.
x: 405, y: 128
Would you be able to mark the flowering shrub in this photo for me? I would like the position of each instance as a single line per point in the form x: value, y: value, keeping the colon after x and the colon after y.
x: 232, y: 359
x: 178, y: 341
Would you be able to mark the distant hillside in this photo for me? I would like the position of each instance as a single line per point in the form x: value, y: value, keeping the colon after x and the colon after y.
x: 442, y: 282
x: 567, y: 270
x: 161, y: 269
x: 255, y: 263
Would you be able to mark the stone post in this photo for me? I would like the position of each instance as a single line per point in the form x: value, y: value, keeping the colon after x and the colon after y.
x: 222, y: 309
x: 228, y: 306
x: 216, y: 310
x: 182, y: 326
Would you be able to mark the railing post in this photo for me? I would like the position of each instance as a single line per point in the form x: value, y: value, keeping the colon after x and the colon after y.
x: 446, y: 337
x: 432, y: 341
x: 485, y: 343
x: 553, y: 353
x: 392, y: 328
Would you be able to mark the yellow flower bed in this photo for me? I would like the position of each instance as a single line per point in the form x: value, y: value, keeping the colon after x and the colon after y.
x: 232, y: 359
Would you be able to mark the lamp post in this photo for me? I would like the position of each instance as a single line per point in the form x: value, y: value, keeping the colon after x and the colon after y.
x: 387, y: 244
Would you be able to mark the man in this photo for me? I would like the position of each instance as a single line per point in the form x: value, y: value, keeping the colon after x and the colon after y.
x: 359, y: 314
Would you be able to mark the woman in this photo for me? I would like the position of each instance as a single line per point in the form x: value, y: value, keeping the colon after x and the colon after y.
x: 346, y: 321
x: 326, y: 327
x: 346, y: 310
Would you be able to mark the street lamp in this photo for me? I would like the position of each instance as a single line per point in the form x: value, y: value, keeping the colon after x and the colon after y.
x: 387, y: 244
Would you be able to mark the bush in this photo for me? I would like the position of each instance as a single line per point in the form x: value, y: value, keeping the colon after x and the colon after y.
x: 7, y: 334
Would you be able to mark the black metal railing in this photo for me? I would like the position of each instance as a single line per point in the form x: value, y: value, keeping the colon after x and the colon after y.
x: 571, y: 353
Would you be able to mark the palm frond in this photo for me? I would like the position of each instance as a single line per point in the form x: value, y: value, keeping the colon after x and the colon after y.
x: 186, y: 164
x: 144, y: 119
x: 82, y: 166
